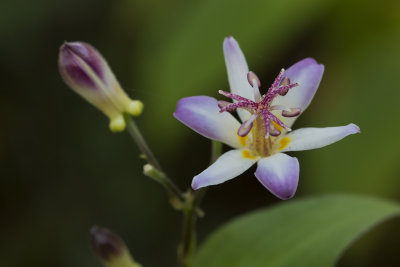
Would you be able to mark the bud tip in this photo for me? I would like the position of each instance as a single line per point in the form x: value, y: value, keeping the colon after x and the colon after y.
x: 135, y: 107
x: 117, y: 124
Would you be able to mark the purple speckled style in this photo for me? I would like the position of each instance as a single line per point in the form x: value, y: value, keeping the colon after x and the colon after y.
x: 72, y: 56
x: 262, y: 108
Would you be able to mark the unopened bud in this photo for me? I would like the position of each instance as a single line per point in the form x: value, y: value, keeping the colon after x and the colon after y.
x: 110, y: 248
x: 85, y: 70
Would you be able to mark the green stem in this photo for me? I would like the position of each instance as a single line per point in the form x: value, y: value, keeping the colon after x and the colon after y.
x: 191, y: 212
x: 139, y: 140
x: 188, y: 243
x: 175, y: 196
x: 153, y: 170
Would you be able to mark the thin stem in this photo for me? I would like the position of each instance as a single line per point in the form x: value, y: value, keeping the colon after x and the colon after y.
x: 188, y: 243
x: 175, y: 196
x: 191, y: 212
x: 153, y: 169
x: 139, y: 139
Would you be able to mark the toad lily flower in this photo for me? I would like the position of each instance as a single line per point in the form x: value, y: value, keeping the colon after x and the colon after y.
x: 87, y: 73
x: 266, y: 121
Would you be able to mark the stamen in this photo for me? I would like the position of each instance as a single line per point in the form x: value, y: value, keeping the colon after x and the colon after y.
x: 246, y: 126
x: 285, y: 81
x: 278, y: 79
x: 255, y: 83
x: 285, y: 89
x: 253, y: 79
x: 273, y: 131
x: 277, y: 121
x: 249, y: 106
x: 291, y: 112
x: 266, y: 125
x: 278, y: 107
x: 233, y: 96
x: 223, y: 104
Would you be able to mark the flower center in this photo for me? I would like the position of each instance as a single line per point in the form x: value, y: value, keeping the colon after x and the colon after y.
x: 264, y: 126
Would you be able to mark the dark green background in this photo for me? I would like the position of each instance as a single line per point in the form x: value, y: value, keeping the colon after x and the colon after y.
x: 63, y: 171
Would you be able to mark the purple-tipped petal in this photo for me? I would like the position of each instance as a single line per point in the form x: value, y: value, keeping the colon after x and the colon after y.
x: 79, y: 62
x: 308, y: 73
x: 237, y: 69
x: 311, y: 138
x: 201, y: 114
x: 279, y: 174
x: 230, y: 165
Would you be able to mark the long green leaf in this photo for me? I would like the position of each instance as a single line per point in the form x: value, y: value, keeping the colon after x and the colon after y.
x: 309, y: 232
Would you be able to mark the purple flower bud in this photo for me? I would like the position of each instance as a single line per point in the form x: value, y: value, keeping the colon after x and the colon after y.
x: 80, y: 64
x: 105, y: 243
x: 85, y: 70
x: 110, y: 248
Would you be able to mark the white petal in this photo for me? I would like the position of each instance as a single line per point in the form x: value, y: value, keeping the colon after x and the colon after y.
x: 201, y: 114
x: 308, y: 73
x: 279, y: 174
x: 227, y: 166
x: 311, y: 138
x: 237, y: 73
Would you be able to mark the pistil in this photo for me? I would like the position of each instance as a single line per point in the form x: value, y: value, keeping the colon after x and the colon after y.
x: 262, y: 123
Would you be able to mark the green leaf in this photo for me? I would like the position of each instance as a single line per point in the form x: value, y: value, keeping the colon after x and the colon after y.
x: 308, y: 232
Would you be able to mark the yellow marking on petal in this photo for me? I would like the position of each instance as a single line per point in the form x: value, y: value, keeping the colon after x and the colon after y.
x: 284, y: 142
x: 277, y: 126
x: 242, y: 140
x: 246, y: 154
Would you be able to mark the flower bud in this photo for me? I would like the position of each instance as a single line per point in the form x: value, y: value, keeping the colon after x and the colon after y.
x: 87, y: 73
x: 110, y: 248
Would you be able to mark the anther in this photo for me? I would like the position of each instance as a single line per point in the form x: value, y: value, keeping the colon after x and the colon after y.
x: 291, y: 112
x: 273, y: 131
x: 246, y: 126
x: 223, y: 104
x: 253, y: 79
x: 285, y: 81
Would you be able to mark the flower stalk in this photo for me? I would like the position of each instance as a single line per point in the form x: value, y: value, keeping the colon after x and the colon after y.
x: 175, y: 195
x: 190, y: 214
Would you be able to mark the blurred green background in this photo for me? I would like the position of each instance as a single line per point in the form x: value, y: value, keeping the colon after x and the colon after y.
x: 63, y: 171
